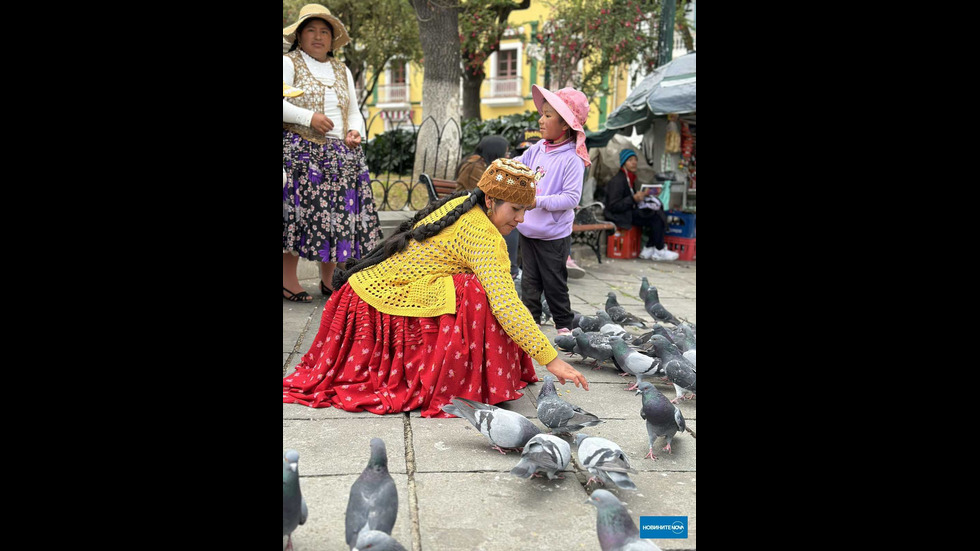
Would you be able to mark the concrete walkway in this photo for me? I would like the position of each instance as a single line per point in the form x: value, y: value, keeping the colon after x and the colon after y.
x: 455, y: 492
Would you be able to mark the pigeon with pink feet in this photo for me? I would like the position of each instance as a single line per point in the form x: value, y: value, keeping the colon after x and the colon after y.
x: 632, y: 362
x: 663, y: 418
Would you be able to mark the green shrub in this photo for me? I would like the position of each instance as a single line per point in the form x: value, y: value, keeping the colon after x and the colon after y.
x: 511, y: 127
x: 392, y: 151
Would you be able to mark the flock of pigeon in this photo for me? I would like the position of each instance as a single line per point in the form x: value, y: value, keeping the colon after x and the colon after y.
x: 373, y: 502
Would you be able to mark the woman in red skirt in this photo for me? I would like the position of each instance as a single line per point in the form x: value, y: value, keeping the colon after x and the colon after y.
x: 432, y: 313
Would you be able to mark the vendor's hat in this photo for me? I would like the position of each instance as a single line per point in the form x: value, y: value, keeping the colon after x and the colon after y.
x: 572, y: 106
x: 290, y: 92
x: 309, y: 11
x: 509, y: 180
x: 625, y: 154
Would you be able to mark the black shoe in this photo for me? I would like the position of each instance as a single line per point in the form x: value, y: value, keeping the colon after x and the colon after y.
x: 303, y: 297
x: 323, y: 289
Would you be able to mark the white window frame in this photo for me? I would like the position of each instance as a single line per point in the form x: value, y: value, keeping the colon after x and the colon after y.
x: 400, y: 105
x: 516, y: 99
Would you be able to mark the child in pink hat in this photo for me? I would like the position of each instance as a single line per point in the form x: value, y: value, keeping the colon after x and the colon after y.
x: 559, y: 159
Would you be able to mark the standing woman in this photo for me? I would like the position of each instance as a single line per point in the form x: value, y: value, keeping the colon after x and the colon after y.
x: 328, y: 206
x: 432, y: 313
x: 559, y: 161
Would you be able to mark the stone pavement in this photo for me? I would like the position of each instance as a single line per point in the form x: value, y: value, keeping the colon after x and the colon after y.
x: 455, y: 492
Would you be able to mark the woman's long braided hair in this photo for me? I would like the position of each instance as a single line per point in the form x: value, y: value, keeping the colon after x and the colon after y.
x: 407, y: 232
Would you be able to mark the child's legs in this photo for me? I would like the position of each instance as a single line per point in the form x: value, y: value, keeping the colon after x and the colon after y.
x: 553, y: 274
x: 513, y: 241
x: 530, y: 279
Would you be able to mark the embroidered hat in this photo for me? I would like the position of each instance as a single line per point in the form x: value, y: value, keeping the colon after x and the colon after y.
x: 290, y: 92
x: 626, y: 154
x: 573, y: 107
x: 309, y: 11
x: 509, y: 180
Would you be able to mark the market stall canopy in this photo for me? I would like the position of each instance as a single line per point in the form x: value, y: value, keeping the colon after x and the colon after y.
x: 672, y: 88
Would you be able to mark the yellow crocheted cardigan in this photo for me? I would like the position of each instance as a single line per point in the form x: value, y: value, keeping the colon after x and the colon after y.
x: 418, y: 282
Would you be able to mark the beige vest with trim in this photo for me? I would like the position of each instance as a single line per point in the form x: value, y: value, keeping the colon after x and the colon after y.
x: 315, y: 90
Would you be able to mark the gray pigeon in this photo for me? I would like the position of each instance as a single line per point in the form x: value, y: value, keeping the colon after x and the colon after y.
x: 683, y: 337
x: 657, y: 310
x: 545, y: 310
x: 566, y: 343
x: 294, y: 511
x: 644, y: 288
x: 546, y: 453
x: 590, y: 324
x: 605, y: 460
x: 663, y: 418
x: 680, y: 371
x: 560, y: 416
x: 619, y: 314
x: 504, y: 428
x: 377, y: 541
x: 634, y: 363
x: 373, y: 501
x: 595, y: 346
x: 614, y: 525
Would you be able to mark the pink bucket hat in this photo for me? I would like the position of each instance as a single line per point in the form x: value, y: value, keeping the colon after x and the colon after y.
x: 573, y: 107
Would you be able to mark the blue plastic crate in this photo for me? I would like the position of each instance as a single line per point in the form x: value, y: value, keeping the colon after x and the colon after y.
x: 682, y: 224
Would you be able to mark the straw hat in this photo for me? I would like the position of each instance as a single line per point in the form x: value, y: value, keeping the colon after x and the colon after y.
x: 509, y: 180
x: 290, y: 92
x: 340, y: 37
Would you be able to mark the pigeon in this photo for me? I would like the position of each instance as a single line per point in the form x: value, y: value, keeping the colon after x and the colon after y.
x: 545, y: 453
x: 683, y: 337
x: 663, y: 418
x: 560, y: 416
x: 545, y: 311
x: 644, y: 288
x: 619, y: 314
x: 680, y: 371
x: 634, y: 363
x: 373, y: 501
x: 294, y: 510
x: 595, y: 346
x: 657, y: 310
x: 504, y: 428
x: 375, y: 540
x: 590, y: 324
x: 605, y: 460
x: 566, y: 343
x: 614, y: 525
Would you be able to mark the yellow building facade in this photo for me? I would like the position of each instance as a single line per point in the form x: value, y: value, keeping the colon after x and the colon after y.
x: 511, y: 71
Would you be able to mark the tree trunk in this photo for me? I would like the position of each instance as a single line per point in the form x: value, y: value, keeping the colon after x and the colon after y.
x: 437, y: 145
x: 471, y: 95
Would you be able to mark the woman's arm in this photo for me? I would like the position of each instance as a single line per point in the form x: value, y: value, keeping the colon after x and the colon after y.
x: 291, y: 113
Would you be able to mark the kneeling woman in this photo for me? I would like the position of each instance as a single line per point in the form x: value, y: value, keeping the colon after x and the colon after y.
x: 432, y: 313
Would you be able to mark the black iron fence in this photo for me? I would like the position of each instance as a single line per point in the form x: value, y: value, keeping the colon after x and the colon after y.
x: 392, y: 163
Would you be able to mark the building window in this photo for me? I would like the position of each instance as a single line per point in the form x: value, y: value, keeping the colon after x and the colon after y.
x: 506, y: 79
x: 396, y: 88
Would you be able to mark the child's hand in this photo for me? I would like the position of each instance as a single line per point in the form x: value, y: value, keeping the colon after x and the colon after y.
x: 565, y: 373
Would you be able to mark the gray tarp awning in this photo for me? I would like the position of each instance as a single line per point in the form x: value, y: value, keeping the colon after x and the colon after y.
x: 671, y: 88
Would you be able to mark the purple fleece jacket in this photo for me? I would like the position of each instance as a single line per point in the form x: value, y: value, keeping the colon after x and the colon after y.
x: 558, y: 191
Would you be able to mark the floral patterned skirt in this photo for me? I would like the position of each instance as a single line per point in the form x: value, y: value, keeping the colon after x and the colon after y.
x: 328, y: 212
x: 363, y: 360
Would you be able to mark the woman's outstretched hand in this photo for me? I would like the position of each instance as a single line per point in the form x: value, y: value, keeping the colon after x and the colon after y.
x: 565, y: 373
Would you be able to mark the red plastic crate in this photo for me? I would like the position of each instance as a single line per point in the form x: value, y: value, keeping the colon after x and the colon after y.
x: 625, y: 243
x: 686, y: 248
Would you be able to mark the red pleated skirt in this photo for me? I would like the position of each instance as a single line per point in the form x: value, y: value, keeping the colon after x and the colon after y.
x: 363, y: 360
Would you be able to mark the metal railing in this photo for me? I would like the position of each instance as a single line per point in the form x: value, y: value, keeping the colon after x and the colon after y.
x: 397, y: 189
x: 503, y: 87
x: 393, y: 93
